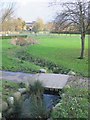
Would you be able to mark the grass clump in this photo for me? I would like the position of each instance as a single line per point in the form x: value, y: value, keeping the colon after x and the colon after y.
x: 37, y: 106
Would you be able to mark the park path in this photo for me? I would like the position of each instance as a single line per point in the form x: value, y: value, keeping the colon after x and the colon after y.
x: 49, y: 80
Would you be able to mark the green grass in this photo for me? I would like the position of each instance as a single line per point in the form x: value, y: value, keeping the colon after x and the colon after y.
x: 74, y: 102
x: 10, y: 62
x: 62, y: 50
x: 72, y: 105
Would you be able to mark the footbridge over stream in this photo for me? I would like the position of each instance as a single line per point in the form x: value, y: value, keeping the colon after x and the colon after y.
x: 53, y: 81
x: 50, y: 81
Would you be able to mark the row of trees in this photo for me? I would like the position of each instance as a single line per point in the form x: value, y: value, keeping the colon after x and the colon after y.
x: 53, y: 27
x: 13, y: 24
x: 40, y: 25
x: 8, y: 21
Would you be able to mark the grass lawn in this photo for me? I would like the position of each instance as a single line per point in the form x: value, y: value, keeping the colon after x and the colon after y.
x: 62, y: 50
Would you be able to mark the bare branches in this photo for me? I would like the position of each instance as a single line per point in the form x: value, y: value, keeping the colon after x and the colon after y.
x: 7, y: 11
x: 75, y: 13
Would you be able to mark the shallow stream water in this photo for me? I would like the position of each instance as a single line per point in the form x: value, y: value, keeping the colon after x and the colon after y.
x: 49, y: 101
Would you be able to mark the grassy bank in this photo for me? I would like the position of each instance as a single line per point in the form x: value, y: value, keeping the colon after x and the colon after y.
x: 62, y: 50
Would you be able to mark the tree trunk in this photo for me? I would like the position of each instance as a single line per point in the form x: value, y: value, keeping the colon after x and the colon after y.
x: 82, y: 45
x: 82, y: 29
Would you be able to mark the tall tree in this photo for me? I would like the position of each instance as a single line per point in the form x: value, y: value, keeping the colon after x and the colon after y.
x: 76, y: 14
x: 7, y: 10
x: 38, y: 25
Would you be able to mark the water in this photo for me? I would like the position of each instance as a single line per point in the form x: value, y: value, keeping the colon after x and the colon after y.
x: 49, y: 100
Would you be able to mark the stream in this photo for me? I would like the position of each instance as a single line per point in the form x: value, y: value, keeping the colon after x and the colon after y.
x: 49, y: 101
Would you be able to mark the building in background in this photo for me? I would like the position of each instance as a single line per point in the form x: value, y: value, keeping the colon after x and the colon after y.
x: 29, y: 25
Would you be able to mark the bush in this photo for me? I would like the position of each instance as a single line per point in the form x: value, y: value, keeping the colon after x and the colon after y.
x: 23, y: 41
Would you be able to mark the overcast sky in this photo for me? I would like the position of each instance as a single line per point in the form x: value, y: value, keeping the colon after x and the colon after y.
x: 30, y: 10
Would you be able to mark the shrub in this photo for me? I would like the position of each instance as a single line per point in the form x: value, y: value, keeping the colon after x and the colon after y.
x: 23, y: 41
x: 31, y: 41
x: 20, y: 41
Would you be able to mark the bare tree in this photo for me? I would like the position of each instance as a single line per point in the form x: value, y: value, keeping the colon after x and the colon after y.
x: 7, y: 10
x: 76, y: 14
